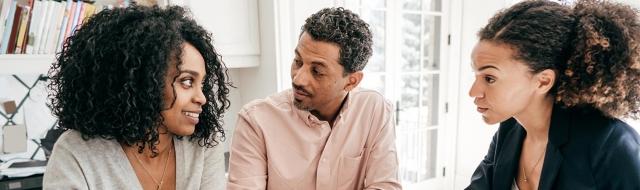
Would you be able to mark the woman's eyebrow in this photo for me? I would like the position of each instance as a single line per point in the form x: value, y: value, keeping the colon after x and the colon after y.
x: 194, y: 73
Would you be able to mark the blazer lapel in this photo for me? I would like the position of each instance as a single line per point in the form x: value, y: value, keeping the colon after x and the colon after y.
x: 558, y: 132
x: 507, y: 162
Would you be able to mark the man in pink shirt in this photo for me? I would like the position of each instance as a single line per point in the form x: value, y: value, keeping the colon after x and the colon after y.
x: 324, y: 133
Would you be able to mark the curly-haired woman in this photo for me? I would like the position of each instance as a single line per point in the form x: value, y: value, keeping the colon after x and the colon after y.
x: 557, y: 78
x: 141, y: 92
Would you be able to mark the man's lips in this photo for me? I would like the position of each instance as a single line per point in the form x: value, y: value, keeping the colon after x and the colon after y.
x: 299, y: 94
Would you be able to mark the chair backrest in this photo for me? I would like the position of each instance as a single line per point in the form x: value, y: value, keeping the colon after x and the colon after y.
x: 50, y: 139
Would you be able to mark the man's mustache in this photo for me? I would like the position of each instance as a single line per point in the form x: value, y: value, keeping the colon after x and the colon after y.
x: 300, y: 88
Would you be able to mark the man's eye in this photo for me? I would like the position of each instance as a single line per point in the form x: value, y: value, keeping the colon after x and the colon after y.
x: 316, y: 71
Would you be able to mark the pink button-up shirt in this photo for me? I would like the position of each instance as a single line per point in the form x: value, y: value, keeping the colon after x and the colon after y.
x: 277, y: 146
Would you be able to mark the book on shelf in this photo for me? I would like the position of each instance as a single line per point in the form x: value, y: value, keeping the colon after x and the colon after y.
x: 25, y: 20
x: 40, y: 37
x: 36, y: 15
x: 4, y: 11
x: 8, y: 25
x: 11, y: 45
x: 76, y: 16
x: 63, y: 26
x: 52, y: 31
x: 70, y: 19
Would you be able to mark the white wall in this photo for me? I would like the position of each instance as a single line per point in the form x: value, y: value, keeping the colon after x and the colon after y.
x: 633, y: 3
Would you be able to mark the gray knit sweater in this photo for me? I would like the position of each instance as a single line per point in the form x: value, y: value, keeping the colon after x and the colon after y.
x: 102, y: 164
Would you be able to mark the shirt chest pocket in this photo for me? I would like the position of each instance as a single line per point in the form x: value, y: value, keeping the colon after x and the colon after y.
x: 349, y: 171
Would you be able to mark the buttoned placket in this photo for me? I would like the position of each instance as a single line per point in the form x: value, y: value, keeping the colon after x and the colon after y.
x: 323, y: 174
x: 324, y: 180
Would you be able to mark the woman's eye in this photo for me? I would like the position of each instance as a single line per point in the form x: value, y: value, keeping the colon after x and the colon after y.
x: 489, y: 79
x: 187, y: 82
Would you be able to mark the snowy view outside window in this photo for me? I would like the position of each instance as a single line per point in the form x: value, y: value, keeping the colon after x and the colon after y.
x: 406, y: 68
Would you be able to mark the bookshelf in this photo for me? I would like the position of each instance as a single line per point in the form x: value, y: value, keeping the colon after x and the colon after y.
x: 34, y: 30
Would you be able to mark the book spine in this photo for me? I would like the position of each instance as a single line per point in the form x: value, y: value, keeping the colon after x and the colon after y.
x: 68, y: 30
x: 8, y: 25
x: 22, y: 30
x: 52, y: 38
x: 36, y: 14
x: 28, y: 26
x: 41, y: 41
x: 14, y: 30
x: 4, y: 13
x: 76, y: 17
x: 63, y: 26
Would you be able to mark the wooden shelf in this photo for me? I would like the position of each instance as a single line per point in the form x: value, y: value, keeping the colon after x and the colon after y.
x: 25, y: 64
x: 40, y: 64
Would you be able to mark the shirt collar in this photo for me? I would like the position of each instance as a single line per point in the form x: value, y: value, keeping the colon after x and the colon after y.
x: 311, y: 120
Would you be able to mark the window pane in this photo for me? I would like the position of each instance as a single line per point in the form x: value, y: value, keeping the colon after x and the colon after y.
x: 417, y: 154
x: 431, y: 42
x: 374, y: 82
x: 376, y: 20
x: 373, y: 3
x: 415, y: 5
x: 422, y: 5
x: 430, y: 91
x: 433, y: 5
x: 410, y: 47
x: 410, y: 85
x: 431, y: 148
x: 409, y: 102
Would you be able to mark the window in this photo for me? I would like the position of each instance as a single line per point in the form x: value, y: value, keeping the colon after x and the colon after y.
x: 407, y: 67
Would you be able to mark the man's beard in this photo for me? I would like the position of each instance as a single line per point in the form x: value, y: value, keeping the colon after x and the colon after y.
x: 301, y: 105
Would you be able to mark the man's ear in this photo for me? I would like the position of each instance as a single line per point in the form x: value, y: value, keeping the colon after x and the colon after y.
x: 545, y: 80
x: 353, y: 79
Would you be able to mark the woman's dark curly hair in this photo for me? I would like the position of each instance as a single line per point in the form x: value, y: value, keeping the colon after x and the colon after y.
x: 593, y: 47
x: 345, y: 28
x: 108, y: 80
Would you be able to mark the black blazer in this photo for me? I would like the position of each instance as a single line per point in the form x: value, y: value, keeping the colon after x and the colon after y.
x: 586, y: 150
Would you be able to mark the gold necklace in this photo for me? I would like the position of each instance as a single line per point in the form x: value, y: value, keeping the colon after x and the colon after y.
x: 166, y: 161
x: 524, y: 172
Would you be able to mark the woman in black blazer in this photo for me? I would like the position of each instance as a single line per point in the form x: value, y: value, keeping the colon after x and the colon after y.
x: 556, y: 78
